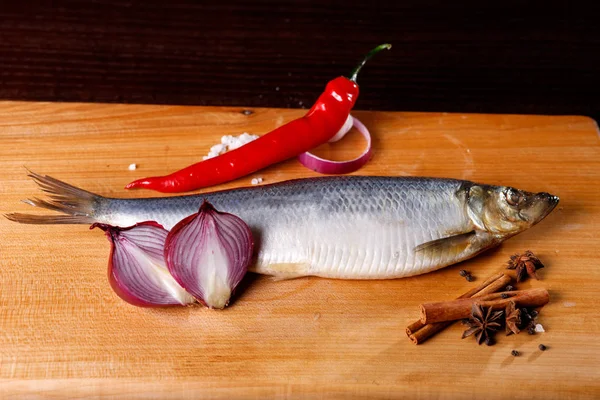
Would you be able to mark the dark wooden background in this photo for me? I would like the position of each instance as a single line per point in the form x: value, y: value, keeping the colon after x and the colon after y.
x: 472, y: 56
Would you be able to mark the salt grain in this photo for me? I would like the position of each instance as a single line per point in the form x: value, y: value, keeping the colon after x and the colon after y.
x: 229, y: 142
x: 218, y: 148
x: 132, y: 167
x: 539, y: 328
x: 235, y: 142
x: 256, y: 181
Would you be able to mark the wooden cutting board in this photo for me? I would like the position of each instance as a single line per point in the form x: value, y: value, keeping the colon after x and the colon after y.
x: 63, y: 332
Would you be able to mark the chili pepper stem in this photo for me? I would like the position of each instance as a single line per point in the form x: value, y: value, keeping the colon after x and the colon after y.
x: 370, y: 54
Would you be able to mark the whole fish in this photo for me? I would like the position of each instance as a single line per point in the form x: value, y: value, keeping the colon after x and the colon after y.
x: 350, y: 227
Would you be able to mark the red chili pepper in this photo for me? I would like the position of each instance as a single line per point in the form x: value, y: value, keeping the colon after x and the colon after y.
x: 319, y: 125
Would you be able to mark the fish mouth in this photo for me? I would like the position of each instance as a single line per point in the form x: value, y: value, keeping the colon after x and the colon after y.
x: 549, y: 202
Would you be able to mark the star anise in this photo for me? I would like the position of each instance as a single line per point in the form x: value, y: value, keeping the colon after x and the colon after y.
x: 512, y: 318
x: 526, y: 263
x: 483, y: 323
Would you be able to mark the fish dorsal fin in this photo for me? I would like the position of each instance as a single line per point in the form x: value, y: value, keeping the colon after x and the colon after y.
x: 455, y: 244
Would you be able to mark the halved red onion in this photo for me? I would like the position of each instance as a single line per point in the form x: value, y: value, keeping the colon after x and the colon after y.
x: 208, y: 253
x: 137, y: 270
x: 324, y: 166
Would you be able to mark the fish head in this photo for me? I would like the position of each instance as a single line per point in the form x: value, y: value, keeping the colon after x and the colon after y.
x: 506, y: 211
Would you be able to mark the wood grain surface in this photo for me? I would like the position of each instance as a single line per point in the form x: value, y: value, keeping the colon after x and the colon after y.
x: 64, y: 333
x: 505, y: 56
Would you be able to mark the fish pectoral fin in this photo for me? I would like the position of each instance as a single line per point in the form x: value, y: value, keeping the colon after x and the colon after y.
x: 449, y: 245
x: 473, y: 242
x: 284, y: 271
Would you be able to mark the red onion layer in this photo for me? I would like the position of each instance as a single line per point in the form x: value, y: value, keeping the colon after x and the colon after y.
x: 324, y: 166
x: 208, y: 253
x: 137, y: 270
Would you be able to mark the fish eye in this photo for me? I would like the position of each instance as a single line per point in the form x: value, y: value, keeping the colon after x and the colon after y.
x: 513, y: 197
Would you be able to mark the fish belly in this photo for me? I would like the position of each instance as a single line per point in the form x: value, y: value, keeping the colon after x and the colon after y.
x: 350, y: 246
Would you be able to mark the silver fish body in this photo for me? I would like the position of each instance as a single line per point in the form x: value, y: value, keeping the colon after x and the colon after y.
x: 348, y: 227
x: 337, y: 227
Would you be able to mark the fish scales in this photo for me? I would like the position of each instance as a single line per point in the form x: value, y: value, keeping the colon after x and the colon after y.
x: 331, y: 227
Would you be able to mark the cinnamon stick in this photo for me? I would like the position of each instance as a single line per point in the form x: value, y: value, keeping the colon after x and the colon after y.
x: 418, y: 336
x: 461, y: 308
x: 418, y: 331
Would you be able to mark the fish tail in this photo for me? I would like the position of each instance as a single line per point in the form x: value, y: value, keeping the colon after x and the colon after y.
x: 77, y: 205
